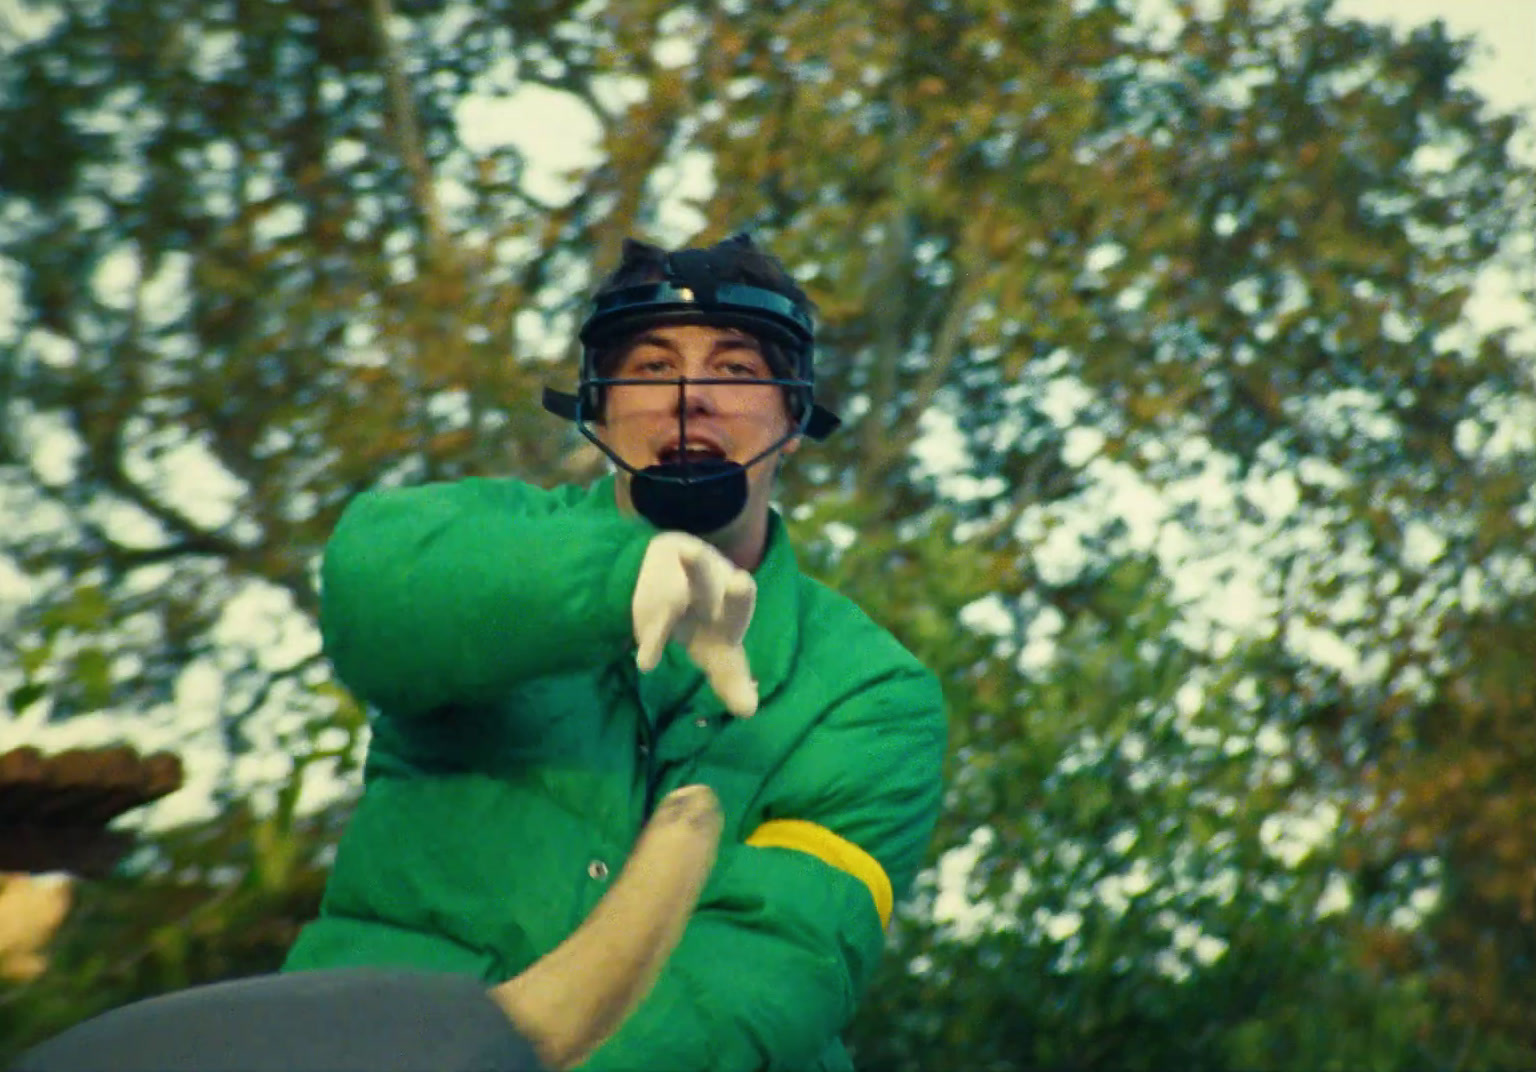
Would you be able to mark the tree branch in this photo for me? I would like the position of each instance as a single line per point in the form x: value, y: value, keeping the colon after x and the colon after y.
x: 947, y: 341
x: 407, y: 129
x: 263, y: 693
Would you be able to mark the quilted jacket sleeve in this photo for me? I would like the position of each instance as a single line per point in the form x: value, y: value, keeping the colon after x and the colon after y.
x: 769, y: 970
x: 451, y: 593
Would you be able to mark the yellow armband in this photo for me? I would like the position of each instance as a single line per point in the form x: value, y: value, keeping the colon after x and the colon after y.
x: 829, y: 848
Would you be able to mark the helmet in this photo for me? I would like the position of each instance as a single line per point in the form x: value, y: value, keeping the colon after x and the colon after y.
x: 696, y: 286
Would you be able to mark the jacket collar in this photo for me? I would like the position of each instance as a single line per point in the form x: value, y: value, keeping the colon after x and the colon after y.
x: 774, y: 635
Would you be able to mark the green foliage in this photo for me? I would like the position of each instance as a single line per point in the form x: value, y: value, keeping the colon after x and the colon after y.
x: 1059, y: 254
x: 1132, y: 896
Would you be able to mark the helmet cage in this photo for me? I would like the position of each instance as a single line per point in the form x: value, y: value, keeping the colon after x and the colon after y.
x: 765, y: 314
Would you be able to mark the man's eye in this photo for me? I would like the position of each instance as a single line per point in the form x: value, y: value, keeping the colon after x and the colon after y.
x: 653, y: 366
x: 742, y: 369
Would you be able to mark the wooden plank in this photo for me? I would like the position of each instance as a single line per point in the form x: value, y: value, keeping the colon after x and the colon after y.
x: 90, y: 852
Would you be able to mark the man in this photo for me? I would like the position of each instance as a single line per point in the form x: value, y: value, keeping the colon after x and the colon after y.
x: 543, y: 666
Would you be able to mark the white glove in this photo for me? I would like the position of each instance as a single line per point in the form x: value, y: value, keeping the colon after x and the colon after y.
x: 689, y: 592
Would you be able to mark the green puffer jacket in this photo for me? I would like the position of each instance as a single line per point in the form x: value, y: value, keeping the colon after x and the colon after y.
x: 517, y: 751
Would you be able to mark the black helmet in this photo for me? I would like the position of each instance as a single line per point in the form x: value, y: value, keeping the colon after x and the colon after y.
x: 696, y: 286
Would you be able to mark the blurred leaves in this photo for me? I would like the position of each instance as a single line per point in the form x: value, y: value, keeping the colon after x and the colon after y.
x: 1169, y: 445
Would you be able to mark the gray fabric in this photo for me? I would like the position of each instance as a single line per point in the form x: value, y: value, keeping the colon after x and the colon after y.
x: 322, y: 1021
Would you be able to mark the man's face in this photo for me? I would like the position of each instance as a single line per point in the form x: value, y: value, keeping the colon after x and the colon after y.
x: 725, y: 420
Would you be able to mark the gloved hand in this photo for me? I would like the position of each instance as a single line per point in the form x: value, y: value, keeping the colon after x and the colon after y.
x: 689, y: 592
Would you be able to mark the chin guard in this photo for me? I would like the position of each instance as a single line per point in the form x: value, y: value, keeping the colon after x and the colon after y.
x: 694, y: 498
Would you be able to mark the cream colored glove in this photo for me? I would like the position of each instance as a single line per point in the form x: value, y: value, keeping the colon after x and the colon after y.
x: 689, y: 592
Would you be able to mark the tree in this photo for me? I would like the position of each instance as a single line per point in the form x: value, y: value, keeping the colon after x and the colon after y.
x: 1085, y: 255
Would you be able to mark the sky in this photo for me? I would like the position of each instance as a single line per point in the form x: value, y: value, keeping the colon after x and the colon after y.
x: 561, y: 138
x: 1505, y: 68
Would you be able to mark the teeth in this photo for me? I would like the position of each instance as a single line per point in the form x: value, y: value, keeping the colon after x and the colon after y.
x: 691, y: 453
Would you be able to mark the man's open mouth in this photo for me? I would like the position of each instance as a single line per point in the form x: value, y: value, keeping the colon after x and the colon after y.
x: 692, y: 453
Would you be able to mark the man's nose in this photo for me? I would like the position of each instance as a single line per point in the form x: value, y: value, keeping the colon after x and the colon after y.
x: 695, y: 397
